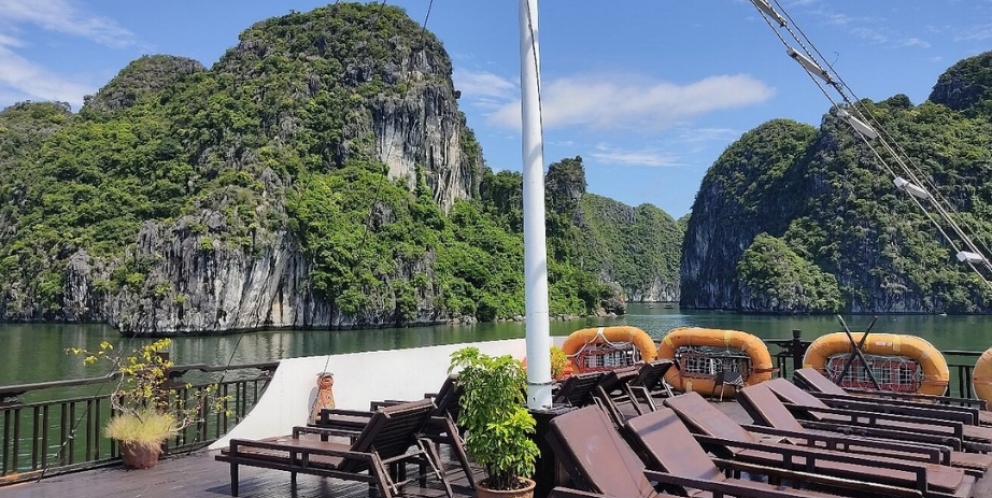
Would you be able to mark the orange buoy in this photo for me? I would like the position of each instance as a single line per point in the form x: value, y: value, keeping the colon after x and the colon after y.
x: 585, y: 340
x: 898, y: 375
x: 700, y: 375
x: 981, y: 377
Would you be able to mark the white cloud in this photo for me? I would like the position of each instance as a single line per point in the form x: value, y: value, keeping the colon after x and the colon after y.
x: 975, y: 33
x: 63, y: 16
x: 914, y: 42
x: 483, y: 88
x: 695, y: 135
x: 30, y: 79
x: 27, y: 79
x: 613, y: 102
x: 869, y: 34
x: 604, y: 153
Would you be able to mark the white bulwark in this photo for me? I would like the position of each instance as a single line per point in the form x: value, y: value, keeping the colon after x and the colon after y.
x: 403, y: 374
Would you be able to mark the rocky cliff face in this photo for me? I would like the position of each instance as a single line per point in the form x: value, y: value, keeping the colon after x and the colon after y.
x: 319, y: 175
x: 313, y: 91
x: 633, y: 248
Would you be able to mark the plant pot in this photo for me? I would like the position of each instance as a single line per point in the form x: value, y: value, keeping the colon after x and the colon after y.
x: 137, y: 456
x: 528, y: 492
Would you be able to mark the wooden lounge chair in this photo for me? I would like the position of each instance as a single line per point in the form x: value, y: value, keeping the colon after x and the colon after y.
x: 577, y: 390
x: 820, y: 386
x: 441, y: 428
x: 650, y: 382
x: 972, y: 437
x: 767, y: 409
x: 385, y: 442
x: 563, y: 492
x: 614, y: 395
x: 599, y: 459
x: 663, y: 441
x: 840, y: 458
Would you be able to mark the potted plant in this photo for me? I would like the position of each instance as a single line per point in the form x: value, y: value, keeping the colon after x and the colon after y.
x: 498, y: 426
x: 146, y: 410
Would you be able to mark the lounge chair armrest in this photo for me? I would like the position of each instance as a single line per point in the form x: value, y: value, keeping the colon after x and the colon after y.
x: 325, y: 431
x: 561, y: 492
x: 873, y: 489
x: 932, y: 453
x: 873, y: 418
x: 350, y: 413
x: 958, y: 414
x: 375, y: 405
x: 977, y: 403
x: 812, y: 455
x: 302, y: 450
x: 734, y: 489
x: 884, y: 433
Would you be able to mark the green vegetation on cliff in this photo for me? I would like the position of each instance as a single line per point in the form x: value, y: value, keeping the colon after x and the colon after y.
x: 824, y: 201
x: 172, y: 170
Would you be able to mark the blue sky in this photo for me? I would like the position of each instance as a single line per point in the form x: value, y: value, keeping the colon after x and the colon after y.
x: 648, y: 92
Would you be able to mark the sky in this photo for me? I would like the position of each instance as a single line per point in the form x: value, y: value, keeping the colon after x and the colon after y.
x: 648, y: 92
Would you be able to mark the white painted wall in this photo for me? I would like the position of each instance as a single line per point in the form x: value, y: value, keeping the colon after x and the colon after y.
x: 358, y: 379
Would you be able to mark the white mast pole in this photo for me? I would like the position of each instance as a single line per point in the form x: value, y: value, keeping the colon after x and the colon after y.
x: 538, y: 326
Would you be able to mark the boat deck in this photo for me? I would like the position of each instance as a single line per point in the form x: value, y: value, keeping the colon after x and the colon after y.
x: 198, y: 475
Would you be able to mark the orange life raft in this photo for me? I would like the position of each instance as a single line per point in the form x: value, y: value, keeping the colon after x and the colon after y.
x: 591, y: 349
x: 981, y: 377
x: 698, y: 362
x: 894, y: 373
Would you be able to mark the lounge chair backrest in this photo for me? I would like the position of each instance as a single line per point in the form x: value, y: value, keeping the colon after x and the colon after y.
x: 818, y: 382
x: 766, y: 408
x: 651, y: 374
x: 577, y: 389
x: 595, y: 455
x: 670, y: 447
x: 448, y: 397
x: 390, y: 432
x: 791, y: 393
x: 617, y: 378
x: 702, y: 417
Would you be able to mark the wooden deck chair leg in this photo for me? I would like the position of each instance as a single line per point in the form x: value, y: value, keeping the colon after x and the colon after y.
x: 234, y: 479
x: 456, y: 442
x: 434, y: 459
x: 380, y: 472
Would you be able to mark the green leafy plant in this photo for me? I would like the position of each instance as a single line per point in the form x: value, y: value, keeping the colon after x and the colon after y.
x: 498, y: 427
x: 148, y: 411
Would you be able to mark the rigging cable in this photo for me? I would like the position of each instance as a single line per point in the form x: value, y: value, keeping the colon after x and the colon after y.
x: 866, y: 132
x: 865, y: 114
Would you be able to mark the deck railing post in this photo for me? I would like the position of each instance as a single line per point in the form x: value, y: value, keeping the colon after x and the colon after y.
x: 797, y: 350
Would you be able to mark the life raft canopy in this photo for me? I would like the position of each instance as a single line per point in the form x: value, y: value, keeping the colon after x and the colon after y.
x: 899, y: 362
x: 605, y: 348
x: 703, y: 354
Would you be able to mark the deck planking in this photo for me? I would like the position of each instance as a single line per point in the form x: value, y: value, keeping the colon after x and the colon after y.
x: 198, y: 475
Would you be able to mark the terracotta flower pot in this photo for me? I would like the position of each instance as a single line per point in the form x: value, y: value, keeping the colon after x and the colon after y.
x: 527, y: 492
x: 137, y: 456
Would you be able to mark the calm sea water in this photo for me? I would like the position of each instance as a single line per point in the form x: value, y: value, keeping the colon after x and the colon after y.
x: 36, y: 353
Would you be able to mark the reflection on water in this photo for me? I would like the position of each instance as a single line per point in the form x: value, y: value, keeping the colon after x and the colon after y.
x: 36, y: 353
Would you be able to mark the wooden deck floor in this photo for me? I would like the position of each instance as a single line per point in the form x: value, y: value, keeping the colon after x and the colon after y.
x: 200, y: 476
